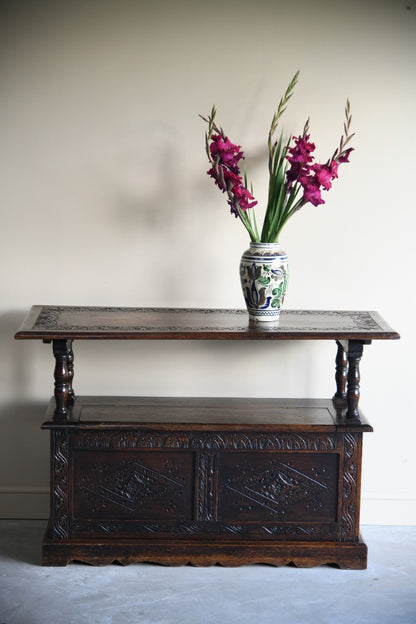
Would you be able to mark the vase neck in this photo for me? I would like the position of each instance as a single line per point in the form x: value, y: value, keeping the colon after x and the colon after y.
x: 270, y: 246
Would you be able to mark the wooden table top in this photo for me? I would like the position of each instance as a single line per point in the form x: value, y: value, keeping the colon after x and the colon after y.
x: 123, y: 323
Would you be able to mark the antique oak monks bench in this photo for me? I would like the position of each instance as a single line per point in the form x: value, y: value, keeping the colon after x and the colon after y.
x: 204, y: 480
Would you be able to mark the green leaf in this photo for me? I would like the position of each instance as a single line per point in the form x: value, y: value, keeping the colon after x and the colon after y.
x: 265, y: 281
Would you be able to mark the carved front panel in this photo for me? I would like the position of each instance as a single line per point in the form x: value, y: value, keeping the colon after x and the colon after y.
x: 222, y: 494
x: 205, y: 484
x: 133, y: 485
x: 289, y: 487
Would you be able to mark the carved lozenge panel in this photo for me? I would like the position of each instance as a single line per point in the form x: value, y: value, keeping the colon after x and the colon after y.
x: 278, y: 486
x: 133, y: 485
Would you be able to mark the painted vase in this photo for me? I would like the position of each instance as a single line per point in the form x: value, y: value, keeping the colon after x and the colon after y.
x: 264, y: 274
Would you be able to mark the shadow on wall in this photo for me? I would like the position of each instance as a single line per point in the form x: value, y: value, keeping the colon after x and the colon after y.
x: 21, y: 435
x: 24, y: 448
x: 13, y: 363
x: 177, y: 368
x: 161, y: 210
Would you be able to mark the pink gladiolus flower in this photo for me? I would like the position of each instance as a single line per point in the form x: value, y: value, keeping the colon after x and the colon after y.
x: 345, y: 156
x: 226, y: 173
x: 227, y: 153
x: 299, y: 159
x: 244, y: 198
x: 295, y: 178
x: 312, y: 193
x: 334, y: 168
x: 312, y: 178
x: 301, y: 152
x: 323, y: 175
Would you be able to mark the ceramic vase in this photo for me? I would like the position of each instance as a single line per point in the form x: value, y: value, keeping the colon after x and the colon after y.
x: 264, y: 276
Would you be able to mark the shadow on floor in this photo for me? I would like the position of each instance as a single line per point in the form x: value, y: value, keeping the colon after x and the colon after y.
x: 21, y: 540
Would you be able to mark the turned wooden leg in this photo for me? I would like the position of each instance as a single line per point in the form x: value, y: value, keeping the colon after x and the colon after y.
x: 63, y: 374
x: 341, y: 375
x: 71, y: 394
x: 355, y: 351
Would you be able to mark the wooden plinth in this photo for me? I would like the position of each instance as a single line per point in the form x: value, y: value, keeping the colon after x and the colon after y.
x: 204, y: 553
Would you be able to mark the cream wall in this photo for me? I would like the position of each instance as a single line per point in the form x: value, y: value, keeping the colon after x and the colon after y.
x: 103, y: 172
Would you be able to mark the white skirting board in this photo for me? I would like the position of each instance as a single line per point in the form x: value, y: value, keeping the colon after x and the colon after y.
x: 388, y: 511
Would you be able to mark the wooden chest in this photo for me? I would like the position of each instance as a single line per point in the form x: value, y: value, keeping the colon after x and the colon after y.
x: 205, y: 481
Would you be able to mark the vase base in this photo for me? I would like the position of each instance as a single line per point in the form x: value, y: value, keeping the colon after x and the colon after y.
x: 255, y: 317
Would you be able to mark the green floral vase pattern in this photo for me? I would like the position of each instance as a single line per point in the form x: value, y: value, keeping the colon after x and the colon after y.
x: 264, y: 276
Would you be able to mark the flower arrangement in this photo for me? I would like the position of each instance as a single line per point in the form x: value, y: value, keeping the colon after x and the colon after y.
x: 295, y: 179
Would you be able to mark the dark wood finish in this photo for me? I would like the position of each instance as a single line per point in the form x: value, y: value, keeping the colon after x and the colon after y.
x: 347, y: 375
x: 341, y: 376
x: 70, y: 364
x: 229, y: 414
x: 85, y: 323
x: 199, y: 480
x: 278, y: 478
x: 354, y: 354
x: 230, y: 553
x: 62, y: 324
x: 63, y: 374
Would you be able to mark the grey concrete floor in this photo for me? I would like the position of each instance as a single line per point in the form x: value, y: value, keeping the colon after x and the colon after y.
x: 385, y: 593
